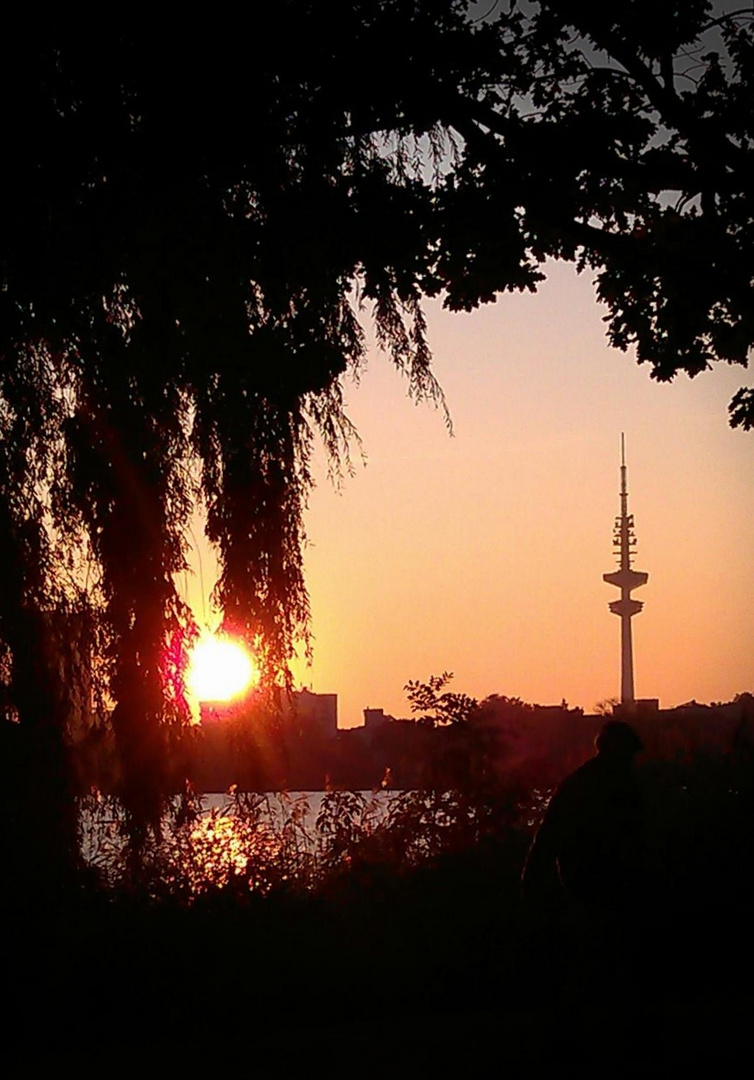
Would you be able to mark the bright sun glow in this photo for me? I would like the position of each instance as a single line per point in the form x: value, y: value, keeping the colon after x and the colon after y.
x: 219, y: 669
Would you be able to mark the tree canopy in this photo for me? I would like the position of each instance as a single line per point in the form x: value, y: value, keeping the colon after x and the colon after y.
x: 196, y: 221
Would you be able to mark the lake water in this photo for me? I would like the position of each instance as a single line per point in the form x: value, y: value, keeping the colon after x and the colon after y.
x: 273, y: 839
x: 219, y: 832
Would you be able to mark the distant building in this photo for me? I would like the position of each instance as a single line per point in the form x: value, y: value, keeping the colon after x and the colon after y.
x: 319, y: 711
x: 375, y: 718
x: 639, y: 707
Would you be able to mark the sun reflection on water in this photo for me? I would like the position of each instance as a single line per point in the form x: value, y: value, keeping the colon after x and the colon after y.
x: 222, y: 849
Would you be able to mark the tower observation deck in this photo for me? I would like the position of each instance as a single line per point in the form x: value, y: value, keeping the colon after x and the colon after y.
x: 626, y: 579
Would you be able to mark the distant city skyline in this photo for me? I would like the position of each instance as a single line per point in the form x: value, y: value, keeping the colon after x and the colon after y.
x: 482, y: 554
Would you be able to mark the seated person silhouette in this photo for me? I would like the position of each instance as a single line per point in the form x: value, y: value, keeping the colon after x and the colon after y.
x: 588, y: 849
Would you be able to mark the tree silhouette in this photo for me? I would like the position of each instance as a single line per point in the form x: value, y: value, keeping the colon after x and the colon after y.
x: 185, y: 220
x: 435, y: 706
x: 192, y: 221
x: 620, y: 139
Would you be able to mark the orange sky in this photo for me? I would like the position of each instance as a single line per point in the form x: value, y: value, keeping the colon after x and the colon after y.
x: 483, y: 553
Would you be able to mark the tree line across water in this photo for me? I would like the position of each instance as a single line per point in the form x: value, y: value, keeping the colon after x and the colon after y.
x: 452, y: 741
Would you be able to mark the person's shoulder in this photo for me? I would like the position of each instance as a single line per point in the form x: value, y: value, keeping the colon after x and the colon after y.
x: 583, y: 775
x: 578, y: 786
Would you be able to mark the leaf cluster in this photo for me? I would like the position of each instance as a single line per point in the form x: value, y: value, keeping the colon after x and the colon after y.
x: 437, y: 706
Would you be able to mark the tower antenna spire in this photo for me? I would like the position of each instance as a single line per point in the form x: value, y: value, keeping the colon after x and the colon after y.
x: 626, y: 579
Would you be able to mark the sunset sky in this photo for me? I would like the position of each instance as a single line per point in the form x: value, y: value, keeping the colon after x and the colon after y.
x: 483, y: 554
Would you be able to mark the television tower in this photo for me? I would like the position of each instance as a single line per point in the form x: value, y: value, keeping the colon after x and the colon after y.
x: 626, y: 579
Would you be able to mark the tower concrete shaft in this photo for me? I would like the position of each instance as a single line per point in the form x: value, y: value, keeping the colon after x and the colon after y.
x: 626, y: 579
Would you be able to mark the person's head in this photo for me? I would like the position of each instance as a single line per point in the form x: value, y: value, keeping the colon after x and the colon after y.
x: 618, y: 742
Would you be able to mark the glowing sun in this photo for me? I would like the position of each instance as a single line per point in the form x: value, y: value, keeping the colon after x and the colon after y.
x: 219, y: 669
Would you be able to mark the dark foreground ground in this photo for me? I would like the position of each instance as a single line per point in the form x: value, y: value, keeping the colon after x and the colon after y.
x: 383, y: 969
x: 439, y: 972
